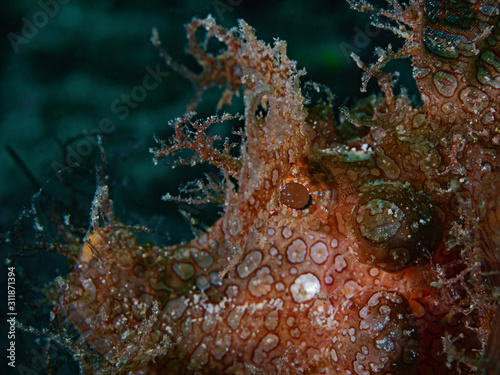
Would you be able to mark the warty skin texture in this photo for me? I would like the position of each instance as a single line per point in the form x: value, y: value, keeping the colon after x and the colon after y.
x: 390, y: 267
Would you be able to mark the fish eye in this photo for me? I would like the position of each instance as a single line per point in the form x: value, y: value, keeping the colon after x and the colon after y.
x: 294, y: 195
x: 395, y: 227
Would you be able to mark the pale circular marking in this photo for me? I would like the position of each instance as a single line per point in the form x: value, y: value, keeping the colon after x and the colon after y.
x: 221, y: 346
x: 286, y: 233
x: 474, y: 99
x: 202, y: 283
x: 340, y: 263
x: 232, y: 291
x: 488, y: 118
x: 202, y: 239
x: 379, y: 220
x: 182, y: 253
x: 305, y: 287
x: 280, y: 287
x: 209, y: 322
x: 272, y: 320
x: 334, y: 243
x: 187, y: 326
x: 328, y: 279
x: 296, y: 251
x: 234, y: 317
x: 351, y: 287
x: 249, y: 264
x: 319, y: 253
x: 273, y: 251
x: 374, y: 272
x: 175, y: 308
x: 333, y: 354
x: 484, y: 75
x: 215, y: 279
x: 293, y: 271
x: 261, y: 283
x: 184, y: 270
x: 203, y: 259
x: 268, y: 343
x: 446, y: 83
x: 200, y: 356
x: 90, y: 289
x: 271, y: 232
x: 447, y: 107
x: 245, y: 333
x: 295, y: 332
x: 419, y: 120
x: 387, y: 164
x: 313, y: 354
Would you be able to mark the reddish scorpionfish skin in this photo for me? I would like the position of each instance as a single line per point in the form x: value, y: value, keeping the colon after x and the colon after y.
x: 379, y: 254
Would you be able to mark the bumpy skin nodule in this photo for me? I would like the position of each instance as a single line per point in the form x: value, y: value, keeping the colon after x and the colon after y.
x: 393, y: 227
x: 377, y: 334
x: 393, y: 253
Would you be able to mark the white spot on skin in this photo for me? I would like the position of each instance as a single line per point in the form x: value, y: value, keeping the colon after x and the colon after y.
x: 202, y: 283
x: 374, y: 272
x: 245, y: 333
x: 203, y: 259
x: 200, y: 355
x: 209, y: 322
x: 286, y: 233
x: 221, y: 346
x: 296, y: 251
x: 340, y: 263
x: 268, y: 343
x: 333, y: 354
x: 213, y: 244
x: 232, y: 291
x: 184, y: 270
x: 385, y: 344
x: 319, y: 253
x: 351, y: 288
x: 215, y: 279
x: 261, y: 284
x: 271, y: 321
x: 182, y: 253
x: 175, y: 308
x: 305, y: 287
x: 249, y: 264
x: 234, y: 317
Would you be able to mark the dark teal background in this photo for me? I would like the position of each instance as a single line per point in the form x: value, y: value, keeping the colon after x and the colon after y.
x: 63, y: 80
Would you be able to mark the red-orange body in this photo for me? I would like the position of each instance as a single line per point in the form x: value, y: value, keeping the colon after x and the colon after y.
x: 390, y: 266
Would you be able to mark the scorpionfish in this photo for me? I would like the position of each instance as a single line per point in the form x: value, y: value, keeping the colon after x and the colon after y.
x: 364, y: 243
